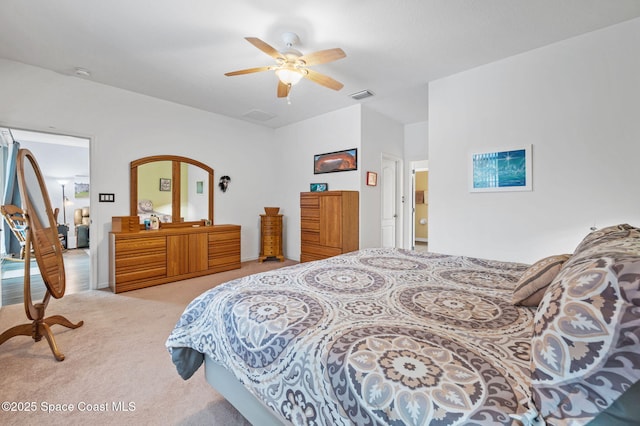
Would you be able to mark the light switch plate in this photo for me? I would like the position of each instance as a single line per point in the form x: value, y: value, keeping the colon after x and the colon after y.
x: 106, y: 197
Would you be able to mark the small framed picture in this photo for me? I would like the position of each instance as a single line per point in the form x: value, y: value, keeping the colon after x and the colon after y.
x: 165, y: 184
x: 319, y: 187
x: 372, y: 178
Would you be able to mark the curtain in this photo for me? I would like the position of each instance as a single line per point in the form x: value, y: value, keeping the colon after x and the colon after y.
x: 11, y: 194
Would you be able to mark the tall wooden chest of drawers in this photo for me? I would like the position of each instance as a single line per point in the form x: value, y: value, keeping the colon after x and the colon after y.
x: 329, y: 224
x: 271, y: 237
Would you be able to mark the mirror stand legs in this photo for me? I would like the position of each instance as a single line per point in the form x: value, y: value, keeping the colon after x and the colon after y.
x: 38, y: 328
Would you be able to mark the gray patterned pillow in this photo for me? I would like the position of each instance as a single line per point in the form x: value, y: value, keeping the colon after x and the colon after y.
x: 145, y: 206
x: 585, y: 351
x: 535, y: 280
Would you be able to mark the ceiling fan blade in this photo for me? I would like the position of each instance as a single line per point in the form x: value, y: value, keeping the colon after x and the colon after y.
x: 323, y: 56
x: 266, y: 48
x: 283, y: 89
x: 323, y: 80
x: 247, y: 71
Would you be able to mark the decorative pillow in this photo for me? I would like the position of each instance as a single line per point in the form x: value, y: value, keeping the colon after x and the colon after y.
x: 535, y: 280
x: 145, y: 206
x: 605, y: 234
x: 585, y: 350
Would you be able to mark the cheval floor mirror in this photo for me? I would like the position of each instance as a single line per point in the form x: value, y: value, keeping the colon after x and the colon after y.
x: 42, y: 239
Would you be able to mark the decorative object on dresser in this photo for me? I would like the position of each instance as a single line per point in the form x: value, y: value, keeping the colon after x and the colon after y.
x: 271, y: 235
x: 329, y: 223
x: 318, y: 187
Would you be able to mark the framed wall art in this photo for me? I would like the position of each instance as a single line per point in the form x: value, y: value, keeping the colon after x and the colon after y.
x: 501, y: 170
x: 81, y: 190
x: 165, y: 184
x: 372, y: 178
x: 339, y: 161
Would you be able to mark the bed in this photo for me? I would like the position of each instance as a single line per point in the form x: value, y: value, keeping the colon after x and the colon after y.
x: 390, y: 336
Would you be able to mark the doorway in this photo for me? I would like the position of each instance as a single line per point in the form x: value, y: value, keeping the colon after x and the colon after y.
x: 64, y: 162
x: 421, y: 210
x: 420, y: 205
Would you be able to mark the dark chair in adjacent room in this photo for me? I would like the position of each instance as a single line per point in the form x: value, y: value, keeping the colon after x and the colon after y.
x: 82, y: 221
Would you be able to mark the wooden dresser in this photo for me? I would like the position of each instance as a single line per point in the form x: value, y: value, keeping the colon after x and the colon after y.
x: 143, y: 258
x: 271, y: 237
x: 330, y: 223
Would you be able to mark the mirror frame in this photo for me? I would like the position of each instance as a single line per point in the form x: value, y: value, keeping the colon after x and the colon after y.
x: 48, y: 252
x: 175, y: 187
x: 42, y: 237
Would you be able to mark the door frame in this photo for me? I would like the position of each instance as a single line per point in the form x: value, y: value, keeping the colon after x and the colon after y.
x: 93, y: 253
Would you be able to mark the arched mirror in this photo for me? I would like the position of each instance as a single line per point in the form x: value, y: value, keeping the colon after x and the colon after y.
x: 178, y: 190
x: 42, y: 239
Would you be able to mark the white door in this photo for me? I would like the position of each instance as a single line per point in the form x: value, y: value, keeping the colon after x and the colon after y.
x: 389, y: 202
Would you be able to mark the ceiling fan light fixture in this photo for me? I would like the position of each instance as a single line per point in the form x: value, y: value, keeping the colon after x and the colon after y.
x: 289, y: 75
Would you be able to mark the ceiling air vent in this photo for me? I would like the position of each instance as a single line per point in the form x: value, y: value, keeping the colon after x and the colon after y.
x: 256, y: 114
x: 358, y: 96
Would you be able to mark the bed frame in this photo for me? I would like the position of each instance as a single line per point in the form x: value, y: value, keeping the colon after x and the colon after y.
x: 248, y: 405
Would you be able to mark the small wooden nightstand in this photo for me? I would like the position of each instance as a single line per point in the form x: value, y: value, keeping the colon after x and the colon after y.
x: 271, y: 237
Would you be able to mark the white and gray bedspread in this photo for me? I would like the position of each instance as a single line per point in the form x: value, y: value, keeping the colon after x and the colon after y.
x: 377, y: 336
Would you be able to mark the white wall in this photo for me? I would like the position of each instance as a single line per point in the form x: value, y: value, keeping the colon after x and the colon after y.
x: 577, y: 103
x: 124, y: 126
x: 296, y: 145
x: 380, y: 136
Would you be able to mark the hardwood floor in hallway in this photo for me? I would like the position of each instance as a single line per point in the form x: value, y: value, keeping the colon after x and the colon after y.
x: 420, y: 246
x: 77, y: 271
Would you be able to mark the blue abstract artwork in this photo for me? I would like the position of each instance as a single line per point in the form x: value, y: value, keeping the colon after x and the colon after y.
x: 501, y: 170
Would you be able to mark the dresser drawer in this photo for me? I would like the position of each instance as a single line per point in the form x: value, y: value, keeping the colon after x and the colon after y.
x: 310, y: 237
x: 319, y: 252
x: 271, y: 230
x: 307, y: 201
x: 270, y: 240
x: 135, y: 246
x: 313, y: 214
x: 309, y: 225
x: 140, y: 267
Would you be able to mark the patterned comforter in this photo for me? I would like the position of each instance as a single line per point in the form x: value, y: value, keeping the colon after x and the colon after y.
x: 377, y: 336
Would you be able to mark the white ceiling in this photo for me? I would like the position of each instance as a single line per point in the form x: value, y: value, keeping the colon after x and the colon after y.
x: 180, y: 50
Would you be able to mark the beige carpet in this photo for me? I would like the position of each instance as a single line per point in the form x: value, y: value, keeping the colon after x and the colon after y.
x: 116, y: 359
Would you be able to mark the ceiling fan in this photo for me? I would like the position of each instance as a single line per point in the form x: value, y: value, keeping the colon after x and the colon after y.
x: 291, y: 65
